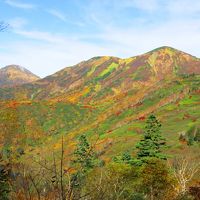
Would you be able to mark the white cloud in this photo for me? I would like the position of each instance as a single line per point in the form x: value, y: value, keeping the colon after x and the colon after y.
x: 18, y: 4
x: 61, y: 16
x: 39, y: 35
x: 57, y: 14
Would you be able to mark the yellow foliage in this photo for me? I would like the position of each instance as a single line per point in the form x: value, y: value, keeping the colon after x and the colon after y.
x: 128, y: 60
x: 121, y: 61
x: 97, y: 87
x: 110, y: 68
x: 152, y: 61
x: 57, y: 146
x: 85, y: 91
x: 91, y: 71
x: 96, y: 64
x: 115, y: 90
x: 168, y: 51
x: 73, y: 98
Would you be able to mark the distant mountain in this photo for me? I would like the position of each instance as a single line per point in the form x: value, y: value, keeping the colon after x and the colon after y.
x: 15, y: 75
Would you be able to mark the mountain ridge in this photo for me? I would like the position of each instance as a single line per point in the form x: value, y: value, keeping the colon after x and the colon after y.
x: 106, y: 70
x: 101, y: 57
x: 97, y: 75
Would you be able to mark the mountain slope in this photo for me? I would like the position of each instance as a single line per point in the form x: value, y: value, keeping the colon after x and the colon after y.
x: 101, y: 75
x: 14, y: 75
x: 105, y: 96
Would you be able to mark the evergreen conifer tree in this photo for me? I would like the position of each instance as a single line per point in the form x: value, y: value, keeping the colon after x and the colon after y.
x: 84, y: 155
x: 84, y: 160
x: 150, y: 146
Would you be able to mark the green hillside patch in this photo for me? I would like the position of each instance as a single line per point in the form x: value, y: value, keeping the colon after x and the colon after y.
x: 92, y: 70
x: 178, y: 118
x: 192, y: 99
x: 105, y: 73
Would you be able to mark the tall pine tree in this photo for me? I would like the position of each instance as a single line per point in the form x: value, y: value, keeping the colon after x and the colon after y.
x: 84, y: 155
x: 152, y: 143
x: 84, y: 160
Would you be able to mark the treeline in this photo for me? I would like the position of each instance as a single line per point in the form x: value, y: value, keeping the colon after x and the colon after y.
x: 149, y: 175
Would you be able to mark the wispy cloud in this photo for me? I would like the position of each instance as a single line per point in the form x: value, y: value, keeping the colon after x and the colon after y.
x: 57, y: 14
x: 61, y: 16
x: 39, y: 35
x: 18, y: 4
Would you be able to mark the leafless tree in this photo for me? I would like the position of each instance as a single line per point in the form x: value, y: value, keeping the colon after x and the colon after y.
x: 3, y: 26
x: 59, y: 176
x: 184, y: 170
x: 47, y: 178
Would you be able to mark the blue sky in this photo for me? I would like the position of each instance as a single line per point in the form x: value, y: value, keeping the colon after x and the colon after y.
x: 48, y: 35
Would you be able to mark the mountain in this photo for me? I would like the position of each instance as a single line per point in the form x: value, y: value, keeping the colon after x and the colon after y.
x: 14, y: 75
x: 99, y: 76
x: 108, y: 98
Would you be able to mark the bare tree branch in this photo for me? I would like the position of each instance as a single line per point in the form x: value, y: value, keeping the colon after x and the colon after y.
x: 184, y: 170
x: 3, y: 26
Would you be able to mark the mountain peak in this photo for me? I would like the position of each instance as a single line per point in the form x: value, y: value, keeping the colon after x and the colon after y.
x: 14, y: 67
x: 12, y: 75
x: 169, y: 49
x: 165, y: 48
